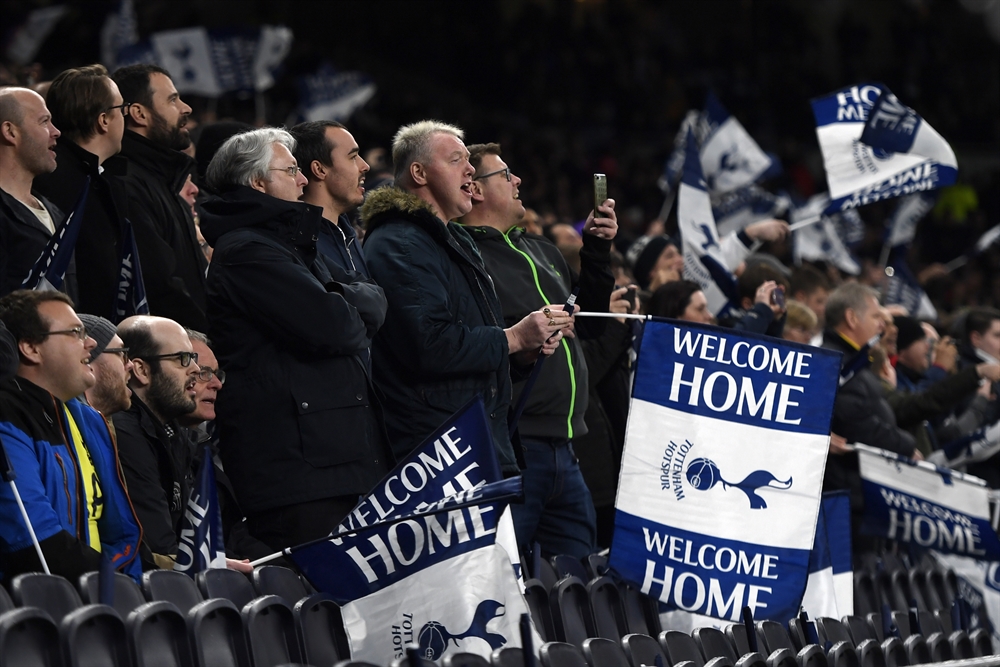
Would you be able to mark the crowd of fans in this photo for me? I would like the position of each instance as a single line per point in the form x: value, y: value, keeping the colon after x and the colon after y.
x: 310, y: 332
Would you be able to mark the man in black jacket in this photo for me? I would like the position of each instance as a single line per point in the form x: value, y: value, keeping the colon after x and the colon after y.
x: 87, y: 107
x: 27, y: 219
x: 444, y: 340
x: 298, y: 432
x: 529, y: 274
x: 173, y: 265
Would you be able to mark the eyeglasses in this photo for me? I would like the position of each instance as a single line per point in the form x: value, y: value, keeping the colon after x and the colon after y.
x: 184, y: 357
x: 80, y: 332
x: 123, y: 351
x: 206, y: 374
x: 505, y: 171
x: 124, y: 106
x: 292, y: 171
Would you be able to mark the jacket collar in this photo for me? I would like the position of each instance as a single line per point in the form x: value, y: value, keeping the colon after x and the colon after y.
x: 390, y: 203
x: 170, y: 165
x: 243, y: 207
x: 19, y: 212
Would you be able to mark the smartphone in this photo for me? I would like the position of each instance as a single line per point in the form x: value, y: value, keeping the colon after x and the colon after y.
x: 630, y: 296
x: 600, y: 192
x: 778, y: 297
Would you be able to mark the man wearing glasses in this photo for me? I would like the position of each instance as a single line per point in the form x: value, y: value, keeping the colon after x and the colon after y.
x: 90, y: 112
x: 112, y: 368
x: 155, y: 451
x: 59, y: 448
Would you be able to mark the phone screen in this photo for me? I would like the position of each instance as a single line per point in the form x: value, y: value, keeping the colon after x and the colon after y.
x: 600, y: 192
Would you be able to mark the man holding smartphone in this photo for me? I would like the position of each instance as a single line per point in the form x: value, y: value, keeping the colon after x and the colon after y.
x: 530, y: 273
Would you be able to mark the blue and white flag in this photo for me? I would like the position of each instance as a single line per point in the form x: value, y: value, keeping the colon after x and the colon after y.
x: 426, y: 564
x: 917, y: 502
x: 50, y: 268
x: 29, y: 37
x: 120, y: 30
x: 821, y: 241
x: 131, y: 296
x: 903, y: 288
x: 673, y: 168
x: 723, y: 469
x: 327, y: 94
x: 201, y: 544
x: 876, y: 148
x: 978, y: 586
x: 730, y: 158
x: 830, y: 589
x: 902, y: 225
x: 735, y: 210
x: 704, y: 262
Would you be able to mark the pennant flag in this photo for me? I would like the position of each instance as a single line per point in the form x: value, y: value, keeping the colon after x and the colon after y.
x: 131, y: 296
x: 274, y: 46
x: 674, y: 166
x: 830, y: 588
x: 979, y: 588
x: 736, y: 209
x: 704, y: 262
x: 49, y: 269
x: 902, y: 226
x: 876, y: 148
x: 201, y: 545
x: 425, y: 564
x: 730, y: 158
x: 916, y: 502
x: 120, y: 30
x: 821, y: 241
x: 974, y: 447
x: 722, y: 470
x: 331, y: 95
x: 903, y: 288
x: 29, y: 37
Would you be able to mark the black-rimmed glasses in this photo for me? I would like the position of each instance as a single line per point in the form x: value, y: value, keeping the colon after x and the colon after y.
x: 206, y: 374
x: 185, y: 358
x: 505, y: 171
x: 124, y: 106
x: 121, y: 351
x: 80, y: 332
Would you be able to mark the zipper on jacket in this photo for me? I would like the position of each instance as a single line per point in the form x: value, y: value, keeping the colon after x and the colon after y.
x: 81, y: 505
x: 128, y: 552
x: 347, y: 245
x: 565, y: 344
x: 62, y: 466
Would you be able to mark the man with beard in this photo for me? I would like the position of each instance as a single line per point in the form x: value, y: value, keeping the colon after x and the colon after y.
x: 112, y: 367
x: 27, y: 150
x: 173, y: 265
x: 155, y: 452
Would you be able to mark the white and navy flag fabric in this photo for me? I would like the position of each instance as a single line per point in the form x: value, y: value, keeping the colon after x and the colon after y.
x: 978, y: 590
x: 723, y: 469
x: 426, y: 564
x: 201, y: 543
x: 916, y: 502
x: 876, y: 148
x: 49, y: 270
x: 735, y: 210
x: 830, y: 588
x: 327, y: 94
x: 730, y: 158
x: 902, y: 287
x: 131, y: 295
x: 821, y: 241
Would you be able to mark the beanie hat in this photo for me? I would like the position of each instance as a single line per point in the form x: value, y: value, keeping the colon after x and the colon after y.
x: 910, y: 331
x: 643, y: 254
x: 100, y: 330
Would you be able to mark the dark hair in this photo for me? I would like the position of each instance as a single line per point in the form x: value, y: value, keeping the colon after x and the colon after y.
x: 133, y: 82
x: 313, y: 144
x: 478, y: 151
x: 76, y: 99
x: 979, y: 320
x: 19, y: 313
x: 672, y: 299
x: 756, y: 275
x: 807, y: 279
x: 138, y: 338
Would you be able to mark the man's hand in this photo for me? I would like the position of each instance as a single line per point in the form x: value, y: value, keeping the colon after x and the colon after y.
x: 537, y: 328
x: 619, y: 304
x: 243, y: 566
x: 838, y: 444
x: 990, y: 372
x: 764, y: 295
x: 606, y: 226
x: 946, y: 354
x: 767, y: 230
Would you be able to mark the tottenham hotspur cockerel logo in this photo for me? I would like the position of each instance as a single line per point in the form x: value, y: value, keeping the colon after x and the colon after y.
x: 703, y: 474
x: 433, y: 637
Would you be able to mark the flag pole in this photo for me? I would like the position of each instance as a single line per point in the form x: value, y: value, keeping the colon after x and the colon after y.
x: 805, y: 223
x: 627, y: 316
x: 8, y: 475
x: 956, y: 263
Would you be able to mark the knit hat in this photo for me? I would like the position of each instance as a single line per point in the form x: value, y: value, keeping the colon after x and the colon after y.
x: 643, y: 254
x: 100, y: 330
x: 910, y: 331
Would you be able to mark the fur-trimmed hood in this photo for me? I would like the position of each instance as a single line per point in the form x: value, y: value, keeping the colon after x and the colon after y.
x: 392, y: 203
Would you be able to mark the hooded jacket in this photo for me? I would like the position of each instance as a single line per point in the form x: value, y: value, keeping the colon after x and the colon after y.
x: 443, y: 341
x: 173, y: 265
x: 529, y: 273
x: 34, y: 431
x: 22, y: 240
x: 296, y: 422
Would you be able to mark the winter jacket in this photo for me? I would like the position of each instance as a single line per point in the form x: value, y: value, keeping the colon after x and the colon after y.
x: 339, y: 244
x: 529, y: 273
x: 443, y: 341
x: 296, y: 420
x: 173, y: 265
x: 98, y: 248
x: 22, y: 240
x: 35, y: 436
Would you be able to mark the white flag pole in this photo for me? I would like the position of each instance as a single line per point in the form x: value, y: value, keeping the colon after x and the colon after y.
x: 805, y: 223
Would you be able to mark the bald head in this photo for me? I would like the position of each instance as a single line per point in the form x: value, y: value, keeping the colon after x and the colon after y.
x: 145, y: 334
x: 164, y: 366
x: 11, y: 103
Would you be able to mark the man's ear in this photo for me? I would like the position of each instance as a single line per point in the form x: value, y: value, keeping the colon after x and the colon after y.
x: 476, y: 188
x: 9, y: 131
x: 258, y: 184
x: 418, y: 173
x: 141, y: 373
x: 851, y: 318
x: 139, y: 115
x: 31, y: 353
x: 103, y: 123
x: 975, y: 338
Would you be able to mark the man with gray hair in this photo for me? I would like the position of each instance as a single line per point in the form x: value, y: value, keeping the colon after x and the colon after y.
x: 444, y: 339
x: 298, y: 428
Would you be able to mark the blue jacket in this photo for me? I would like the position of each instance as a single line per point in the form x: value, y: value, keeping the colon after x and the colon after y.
x: 34, y: 433
x: 339, y: 244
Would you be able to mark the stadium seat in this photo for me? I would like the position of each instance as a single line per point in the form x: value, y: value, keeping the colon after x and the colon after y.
x: 221, y: 582
x: 51, y: 593
x: 571, y: 616
x: 736, y: 633
x: 904, y: 596
x: 916, y: 650
x: 127, y: 594
x: 280, y: 581
x: 636, y: 611
x: 537, y: 597
x: 561, y: 654
x: 939, y: 590
x: 28, y: 638
x: 783, y: 650
x: 833, y: 631
x: 926, y: 600
x: 270, y: 630
x: 546, y: 573
x: 870, y: 653
x: 568, y: 566
x: 960, y: 647
x: 354, y: 663
x: 406, y: 662
x: 894, y: 652
x: 174, y: 587
x: 866, y: 598
x: 842, y: 654
x: 6, y: 604
x: 157, y: 636
x: 606, y: 605
x: 642, y: 649
x: 507, y: 657
x: 320, y: 629
x: 982, y: 645
x: 94, y: 635
x: 602, y: 652
x: 713, y: 643
x: 216, y: 630
x: 461, y: 660
x: 859, y: 628
x: 681, y: 647
x: 597, y: 565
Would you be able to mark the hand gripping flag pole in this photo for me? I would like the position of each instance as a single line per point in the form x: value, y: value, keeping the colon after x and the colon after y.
x: 8, y: 475
x: 49, y: 269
